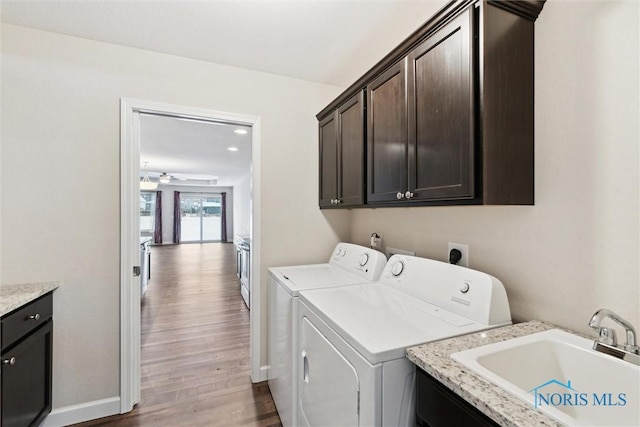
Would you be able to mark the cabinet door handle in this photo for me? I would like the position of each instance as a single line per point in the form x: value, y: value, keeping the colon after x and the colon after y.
x: 34, y: 317
x: 399, y: 196
x: 11, y: 361
x: 408, y: 194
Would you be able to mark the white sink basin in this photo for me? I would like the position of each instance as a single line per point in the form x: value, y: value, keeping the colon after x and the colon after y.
x: 562, y: 376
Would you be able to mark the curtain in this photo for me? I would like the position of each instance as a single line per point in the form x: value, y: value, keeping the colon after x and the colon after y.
x: 176, y: 217
x: 223, y: 217
x: 157, y: 228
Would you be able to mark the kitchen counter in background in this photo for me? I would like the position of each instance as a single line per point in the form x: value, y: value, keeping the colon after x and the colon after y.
x: 15, y: 296
x: 499, y: 405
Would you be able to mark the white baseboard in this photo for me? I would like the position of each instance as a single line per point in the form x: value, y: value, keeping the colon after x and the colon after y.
x: 83, y: 412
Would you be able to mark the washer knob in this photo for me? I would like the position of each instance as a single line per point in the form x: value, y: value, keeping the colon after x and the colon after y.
x: 464, y: 288
x: 396, y: 269
x: 364, y: 259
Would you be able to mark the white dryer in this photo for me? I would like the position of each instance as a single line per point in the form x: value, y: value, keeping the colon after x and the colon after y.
x: 352, y: 365
x: 349, y: 264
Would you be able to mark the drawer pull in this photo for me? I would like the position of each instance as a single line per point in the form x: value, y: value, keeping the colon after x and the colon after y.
x: 11, y: 361
x: 34, y: 317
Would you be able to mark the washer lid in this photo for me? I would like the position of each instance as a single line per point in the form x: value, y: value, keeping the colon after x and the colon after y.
x: 381, y: 322
x: 303, y: 277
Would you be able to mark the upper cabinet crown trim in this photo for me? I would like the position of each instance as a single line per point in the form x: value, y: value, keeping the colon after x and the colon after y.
x: 529, y: 9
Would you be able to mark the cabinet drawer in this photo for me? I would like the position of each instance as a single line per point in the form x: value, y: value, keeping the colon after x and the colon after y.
x: 25, y: 319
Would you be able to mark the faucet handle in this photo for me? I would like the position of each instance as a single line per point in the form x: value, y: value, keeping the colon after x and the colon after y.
x: 607, y: 336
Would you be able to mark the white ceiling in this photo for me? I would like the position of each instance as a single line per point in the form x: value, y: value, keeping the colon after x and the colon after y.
x: 326, y: 41
x: 331, y: 42
x: 194, y: 150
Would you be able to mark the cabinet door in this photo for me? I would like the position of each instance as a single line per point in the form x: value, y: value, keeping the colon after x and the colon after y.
x: 437, y: 406
x: 441, y: 114
x: 351, y: 151
x: 26, y: 383
x: 387, y: 134
x: 328, y: 160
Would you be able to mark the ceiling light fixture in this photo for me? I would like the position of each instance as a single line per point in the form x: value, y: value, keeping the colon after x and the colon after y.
x: 240, y: 131
x: 146, y: 183
x: 164, y: 178
x: 232, y: 148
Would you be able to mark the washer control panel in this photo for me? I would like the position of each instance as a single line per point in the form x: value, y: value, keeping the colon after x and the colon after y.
x: 469, y: 293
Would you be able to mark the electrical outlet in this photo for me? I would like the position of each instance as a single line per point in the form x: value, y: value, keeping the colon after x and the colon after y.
x: 394, y: 251
x: 464, y: 249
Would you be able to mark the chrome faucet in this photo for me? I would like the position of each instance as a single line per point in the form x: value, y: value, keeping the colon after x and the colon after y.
x: 607, y: 341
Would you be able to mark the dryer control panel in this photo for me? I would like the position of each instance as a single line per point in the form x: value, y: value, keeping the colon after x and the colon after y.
x: 365, y: 262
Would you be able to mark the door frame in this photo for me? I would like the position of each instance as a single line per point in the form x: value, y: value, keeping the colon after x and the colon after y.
x: 130, y: 110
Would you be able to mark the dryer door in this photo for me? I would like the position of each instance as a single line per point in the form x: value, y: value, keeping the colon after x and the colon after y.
x: 328, y: 382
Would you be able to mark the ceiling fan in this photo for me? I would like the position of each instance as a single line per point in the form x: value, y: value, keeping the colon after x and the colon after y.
x: 164, y: 178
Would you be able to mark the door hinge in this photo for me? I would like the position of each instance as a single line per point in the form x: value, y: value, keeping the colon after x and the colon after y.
x: 136, y: 270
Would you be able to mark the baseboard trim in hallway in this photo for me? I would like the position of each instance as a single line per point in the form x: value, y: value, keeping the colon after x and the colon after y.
x: 195, y: 345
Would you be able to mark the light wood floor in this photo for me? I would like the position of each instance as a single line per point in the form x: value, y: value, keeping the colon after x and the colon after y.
x: 195, y: 345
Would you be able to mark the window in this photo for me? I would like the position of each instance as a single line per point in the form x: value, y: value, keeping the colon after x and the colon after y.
x: 147, y: 211
x: 200, y: 219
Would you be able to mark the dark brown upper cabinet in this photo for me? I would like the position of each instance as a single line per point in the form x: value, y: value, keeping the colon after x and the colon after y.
x: 342, y: 155
x: 328, y: 161
x: 387, y: 134
x: 441, y: 114
x: 449, y: 112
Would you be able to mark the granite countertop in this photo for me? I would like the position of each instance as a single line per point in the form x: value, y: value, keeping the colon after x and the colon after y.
x: 15, y: 296
x: 499, y: 405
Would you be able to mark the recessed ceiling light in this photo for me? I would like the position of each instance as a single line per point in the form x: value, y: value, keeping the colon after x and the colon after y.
x: 241, y: 131
x: 232, y: 148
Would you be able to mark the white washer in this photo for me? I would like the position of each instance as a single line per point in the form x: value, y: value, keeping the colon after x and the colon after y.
x: 348, y: 265
x: 352, y: 365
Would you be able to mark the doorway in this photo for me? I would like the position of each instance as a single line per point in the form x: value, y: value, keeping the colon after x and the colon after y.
x: 130, y: 226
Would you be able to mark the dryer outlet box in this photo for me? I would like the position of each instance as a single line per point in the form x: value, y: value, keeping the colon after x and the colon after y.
x: 394, y: 251
x: 464, y: 249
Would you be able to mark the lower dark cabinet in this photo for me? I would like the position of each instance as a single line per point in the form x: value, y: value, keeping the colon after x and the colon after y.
x: 26, y: 387
x: 437, y: 406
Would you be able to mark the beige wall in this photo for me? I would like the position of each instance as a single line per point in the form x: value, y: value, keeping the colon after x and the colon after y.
x: 60, y: 178
x: 576, y: 250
